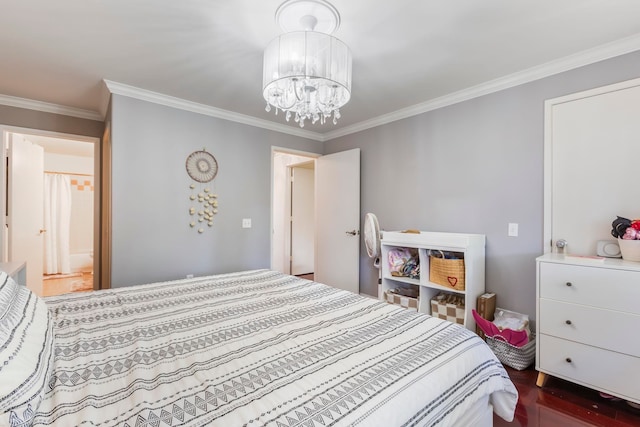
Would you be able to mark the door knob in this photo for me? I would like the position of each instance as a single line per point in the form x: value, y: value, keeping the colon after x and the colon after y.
x: 562, y: 246
x: 42, y: 230
x: 353, y: 232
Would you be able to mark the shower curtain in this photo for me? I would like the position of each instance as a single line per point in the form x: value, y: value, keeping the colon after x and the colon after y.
x: 57, y: 222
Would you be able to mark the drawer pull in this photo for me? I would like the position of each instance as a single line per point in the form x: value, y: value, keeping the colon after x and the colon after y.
x: 568, y: 359
x: 568, y: 322
x: 569, y: 284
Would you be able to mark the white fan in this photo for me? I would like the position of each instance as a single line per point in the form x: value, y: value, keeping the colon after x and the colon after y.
x: 372, y: 238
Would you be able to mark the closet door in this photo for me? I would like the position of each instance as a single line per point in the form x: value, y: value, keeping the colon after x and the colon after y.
x: 592, y: 155
x: 25, y: 207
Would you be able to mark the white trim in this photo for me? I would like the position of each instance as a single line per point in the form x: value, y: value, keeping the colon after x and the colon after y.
x: 4, y: 233
x: 47, y: 107
x: 547, y: 176
x: 549, y: 105
x: 7, y: 129
x: 170, y: 101
x: 626, y: 84
x: 105, y: 97
x: 49, y: 133
x: 282, y: 150
x: 600, y: 53
x: 286, y: 150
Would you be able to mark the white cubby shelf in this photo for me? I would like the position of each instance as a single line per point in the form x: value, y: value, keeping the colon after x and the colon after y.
x: 472, y: 248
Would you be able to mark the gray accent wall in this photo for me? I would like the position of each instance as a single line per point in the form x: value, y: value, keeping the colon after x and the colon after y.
x: 151, y: 239
x: 473, y: 167
x: 470, y: 167
x: 32, y: 119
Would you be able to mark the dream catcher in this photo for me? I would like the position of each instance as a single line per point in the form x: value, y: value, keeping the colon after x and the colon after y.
x: 202, y: 167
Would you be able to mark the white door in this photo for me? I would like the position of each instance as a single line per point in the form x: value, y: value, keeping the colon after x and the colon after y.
x: 25, y: 210
x: 302, y: 220
x: 281, y: 207
x: 591, y: 165
x: 338, y: 220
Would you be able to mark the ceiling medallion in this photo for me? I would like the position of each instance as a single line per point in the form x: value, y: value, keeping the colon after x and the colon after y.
x: 307, y: 72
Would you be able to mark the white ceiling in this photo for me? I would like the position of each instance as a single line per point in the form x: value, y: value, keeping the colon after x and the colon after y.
x: 406, y: 53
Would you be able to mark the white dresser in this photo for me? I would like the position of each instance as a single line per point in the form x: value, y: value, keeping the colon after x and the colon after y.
x: 588, y: 314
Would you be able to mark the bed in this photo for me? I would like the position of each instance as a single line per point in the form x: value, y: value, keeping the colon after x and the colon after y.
x: 250, y: 348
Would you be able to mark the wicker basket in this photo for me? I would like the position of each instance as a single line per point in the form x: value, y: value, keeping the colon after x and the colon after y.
x: 518, y: 358
x: 410, y: 303
x: 448, y: 307
x: 447, y: 272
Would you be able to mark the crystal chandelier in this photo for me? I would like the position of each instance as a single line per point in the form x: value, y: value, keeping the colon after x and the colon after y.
x: 307, y: 72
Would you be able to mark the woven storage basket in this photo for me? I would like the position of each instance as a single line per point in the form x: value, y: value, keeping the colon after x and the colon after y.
x: 407, y: 302
x: 516, y: 357
x: 447, y: 272
x: 448, y: 307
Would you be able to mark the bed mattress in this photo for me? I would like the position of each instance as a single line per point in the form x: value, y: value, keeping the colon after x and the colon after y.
x: 261, y: 348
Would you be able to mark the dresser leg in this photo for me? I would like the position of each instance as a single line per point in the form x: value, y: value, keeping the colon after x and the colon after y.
x: 542, y: 379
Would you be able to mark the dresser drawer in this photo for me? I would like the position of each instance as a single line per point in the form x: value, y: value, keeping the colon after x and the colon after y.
x: 607, y: 329
x: 595, y: 286
x: 593, y: 367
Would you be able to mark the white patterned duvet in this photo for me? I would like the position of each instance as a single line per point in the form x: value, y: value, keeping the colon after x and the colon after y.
x: 260, y: 348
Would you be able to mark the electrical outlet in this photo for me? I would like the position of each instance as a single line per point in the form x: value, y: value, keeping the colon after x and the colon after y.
x: 513, y: 229
x: 246, y: 222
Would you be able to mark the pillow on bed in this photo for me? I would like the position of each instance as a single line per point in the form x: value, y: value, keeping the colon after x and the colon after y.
x: 26, y: 349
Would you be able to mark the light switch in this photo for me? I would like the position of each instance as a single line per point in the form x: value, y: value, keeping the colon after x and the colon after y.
x: 246, y: 222
x: 513, y: 229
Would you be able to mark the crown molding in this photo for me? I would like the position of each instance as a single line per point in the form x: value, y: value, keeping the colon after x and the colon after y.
x: 105, y: 98
x: 46, y: 107
x: 600, y: 53
x: 170, y: 101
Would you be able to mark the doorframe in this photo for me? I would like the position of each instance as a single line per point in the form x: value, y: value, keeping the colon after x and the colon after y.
x: 99, y: 172
x: 602, y: 172
x: 291, y: 203
x: 282, y: 150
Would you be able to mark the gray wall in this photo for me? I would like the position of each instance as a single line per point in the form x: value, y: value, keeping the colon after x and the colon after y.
x: 470, y: 167
x: 152, y: 239
x: 473, y: 167
x: 32, y: 119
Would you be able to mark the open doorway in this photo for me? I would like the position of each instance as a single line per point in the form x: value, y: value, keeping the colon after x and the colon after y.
x: 51, y: 176
x: 301, y: 205
x: 292, y: 249
x: 336, y: 215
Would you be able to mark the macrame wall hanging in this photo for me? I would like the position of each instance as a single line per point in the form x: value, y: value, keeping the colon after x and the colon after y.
x: 202, y: 167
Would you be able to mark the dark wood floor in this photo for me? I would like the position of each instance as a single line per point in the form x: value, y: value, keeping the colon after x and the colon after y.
x: 564, y: 404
